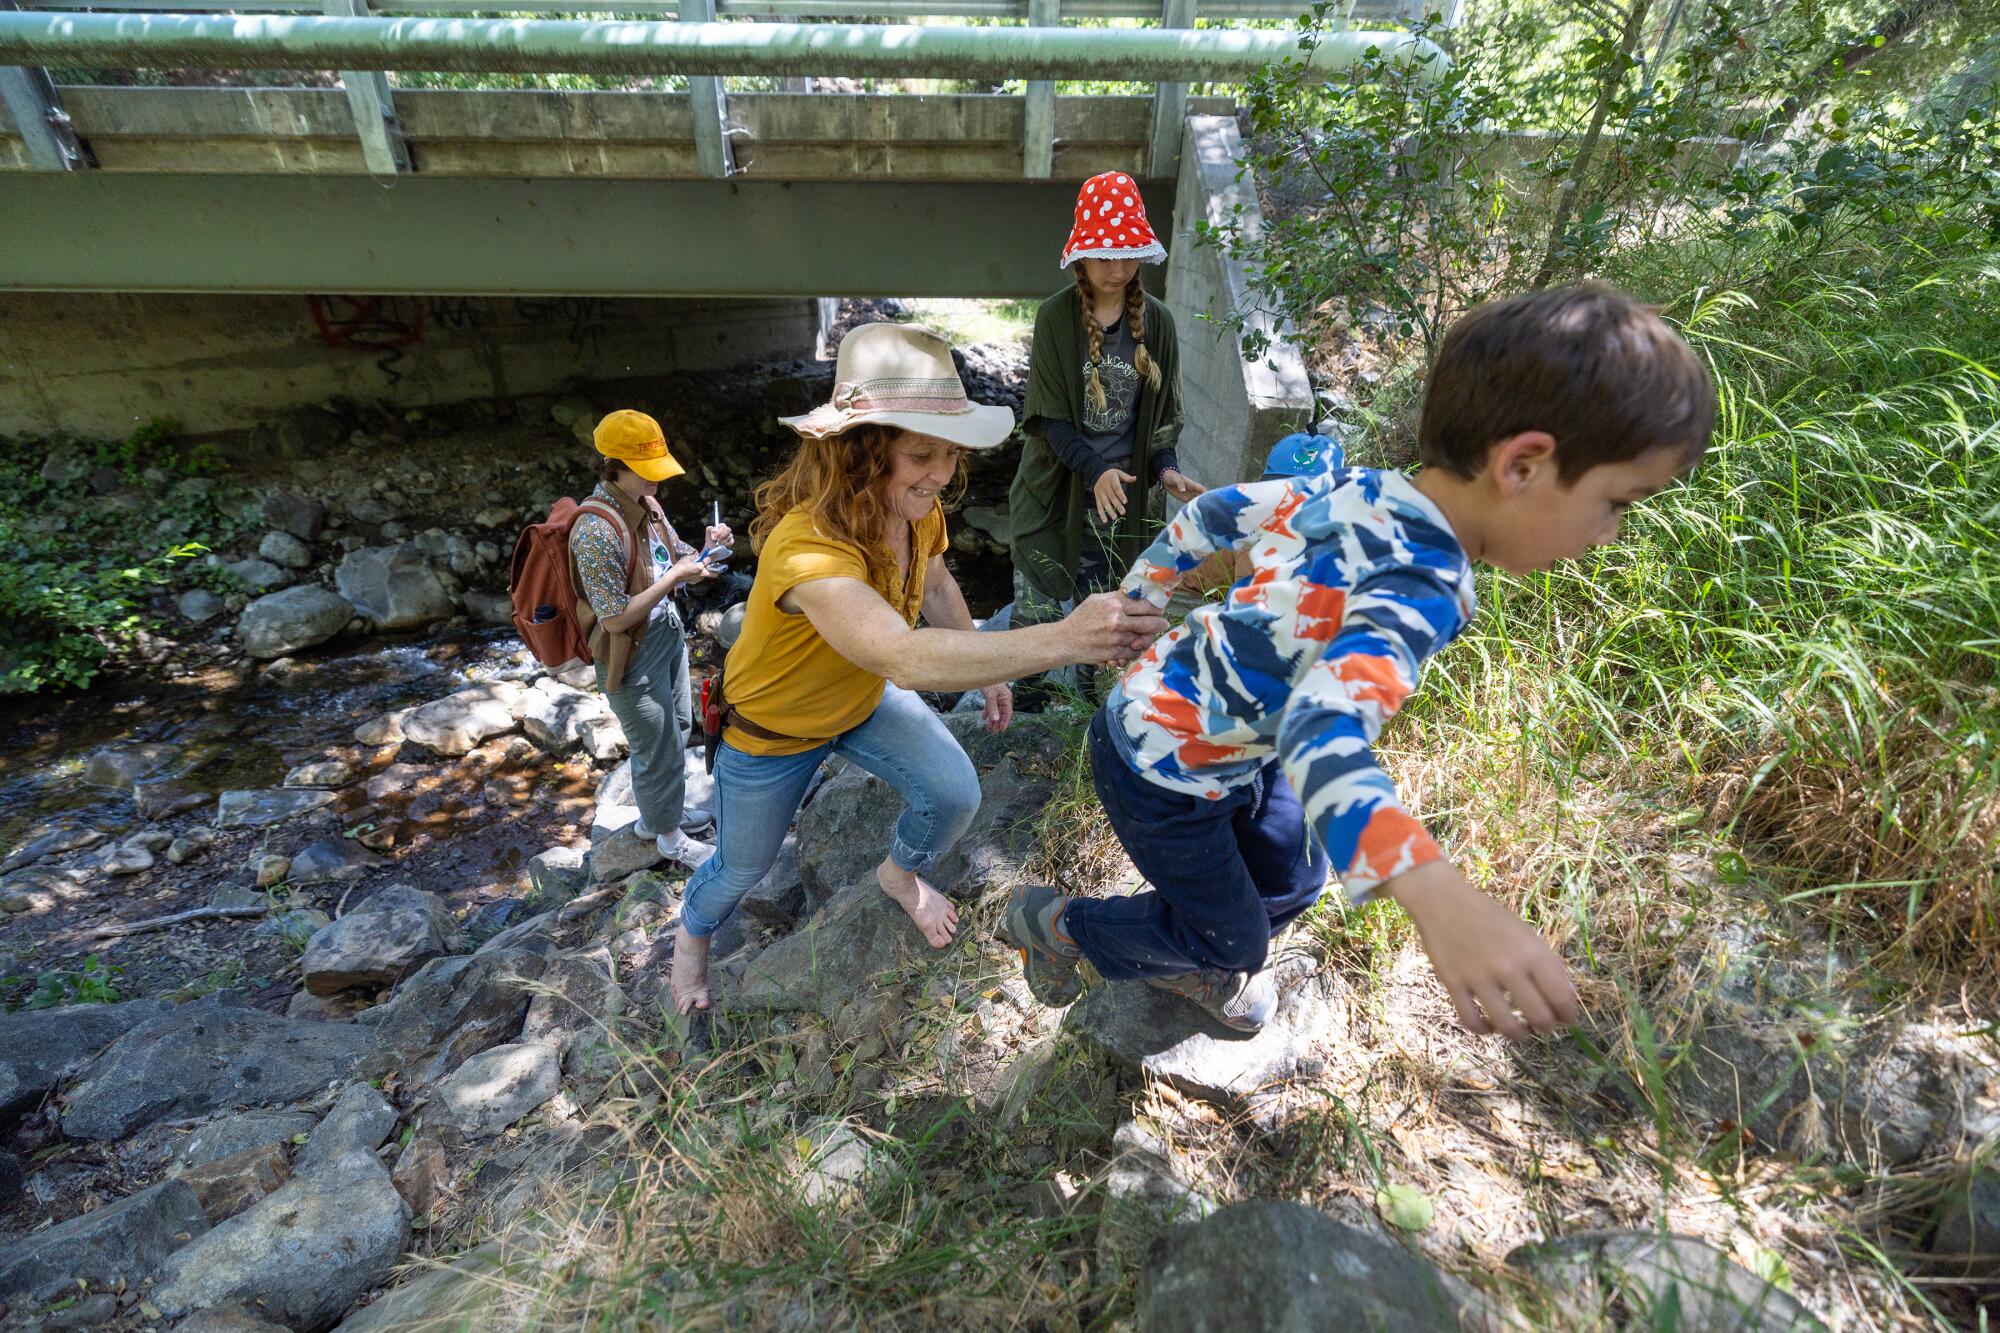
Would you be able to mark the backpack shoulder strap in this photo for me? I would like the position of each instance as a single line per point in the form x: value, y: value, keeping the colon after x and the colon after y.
x: 619, y: 526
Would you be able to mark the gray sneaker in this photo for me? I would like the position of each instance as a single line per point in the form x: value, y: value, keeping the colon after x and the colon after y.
x: 1240, y: 1001
x: 1048, y: 955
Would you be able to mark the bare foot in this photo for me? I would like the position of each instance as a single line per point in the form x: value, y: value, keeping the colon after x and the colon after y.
x: 931, y: 910
x: 690, y: 975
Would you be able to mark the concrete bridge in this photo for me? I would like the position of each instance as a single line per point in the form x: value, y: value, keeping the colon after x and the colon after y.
x: 349, y: 181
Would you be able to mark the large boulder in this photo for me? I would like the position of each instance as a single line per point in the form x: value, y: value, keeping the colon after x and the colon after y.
x: 1641, y: 1276
x: 835, y: 958
x: 498, y: 1086
x: 554, y: 716
x: 129, y: 1239
x: 1287, y: 1268
x: 201, y: 1057
x: 397, y: 587
x: 386, y: 938
x: 299, y: 515
x: 457, y: 723
x: 244, y: 1132
x: 448, y: 1010
x: 846, y: 829
x: 296, y: 618
x: 41, y: 1047
x: 1168, y: 1037
x: 303, y: 1254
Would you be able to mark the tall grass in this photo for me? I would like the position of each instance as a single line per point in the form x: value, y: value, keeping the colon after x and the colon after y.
x: 1804, y: 635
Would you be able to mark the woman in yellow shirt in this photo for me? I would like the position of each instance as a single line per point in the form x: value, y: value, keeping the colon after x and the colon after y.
x: 850, y: 540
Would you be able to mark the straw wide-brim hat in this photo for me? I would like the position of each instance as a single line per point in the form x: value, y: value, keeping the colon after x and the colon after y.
x: 902, y: 375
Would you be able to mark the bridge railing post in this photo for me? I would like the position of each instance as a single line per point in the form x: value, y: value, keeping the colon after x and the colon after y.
x: 710, y: 99
x: 1038, y: 121
x: 1163, y: 145
x: 29, y: 95
x: 383, y: 147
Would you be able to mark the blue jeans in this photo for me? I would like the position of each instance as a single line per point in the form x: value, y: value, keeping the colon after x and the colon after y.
x: 903, y: 742
x: 1226, y: 875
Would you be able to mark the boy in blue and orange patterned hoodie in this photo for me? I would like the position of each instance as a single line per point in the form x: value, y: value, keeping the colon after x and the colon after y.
x: 1234, y: 758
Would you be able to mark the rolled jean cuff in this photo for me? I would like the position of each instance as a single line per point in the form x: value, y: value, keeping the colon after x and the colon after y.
x: 913, y: 859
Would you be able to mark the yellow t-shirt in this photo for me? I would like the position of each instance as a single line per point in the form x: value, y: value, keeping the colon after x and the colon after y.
x: 781, y: 674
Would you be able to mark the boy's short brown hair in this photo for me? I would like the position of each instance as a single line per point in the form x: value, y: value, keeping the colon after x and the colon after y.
x: 1600, y: 372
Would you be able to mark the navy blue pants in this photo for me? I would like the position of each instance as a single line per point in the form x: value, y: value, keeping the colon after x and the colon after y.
x: 1226, y: 875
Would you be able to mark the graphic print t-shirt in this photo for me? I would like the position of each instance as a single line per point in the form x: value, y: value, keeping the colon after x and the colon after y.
x: 1111, y: 432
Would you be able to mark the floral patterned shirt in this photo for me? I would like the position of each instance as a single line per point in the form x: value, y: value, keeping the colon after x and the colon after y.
x: 600, y: 559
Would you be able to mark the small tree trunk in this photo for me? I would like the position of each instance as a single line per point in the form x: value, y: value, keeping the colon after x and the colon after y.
x: 1586, y: 153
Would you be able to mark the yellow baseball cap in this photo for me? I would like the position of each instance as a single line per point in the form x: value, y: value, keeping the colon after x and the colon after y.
x: 634, y: 439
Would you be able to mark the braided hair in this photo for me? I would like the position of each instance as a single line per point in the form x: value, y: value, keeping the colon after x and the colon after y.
x: 1135, y: 317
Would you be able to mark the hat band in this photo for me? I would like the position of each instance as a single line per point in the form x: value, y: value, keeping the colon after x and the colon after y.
x: 939, y: 397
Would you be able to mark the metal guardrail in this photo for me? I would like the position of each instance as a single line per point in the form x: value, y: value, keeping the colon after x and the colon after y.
x: 356, y: 37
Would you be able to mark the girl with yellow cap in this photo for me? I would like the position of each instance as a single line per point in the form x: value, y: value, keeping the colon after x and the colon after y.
x: 628, y: 571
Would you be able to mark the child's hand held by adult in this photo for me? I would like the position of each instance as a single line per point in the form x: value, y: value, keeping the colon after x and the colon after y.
x: 1500, y: 974
x: 1111, y: 627
x: 1109, y: 493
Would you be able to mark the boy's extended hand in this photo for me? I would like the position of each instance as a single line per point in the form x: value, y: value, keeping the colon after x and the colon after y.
x: 1488, y: 959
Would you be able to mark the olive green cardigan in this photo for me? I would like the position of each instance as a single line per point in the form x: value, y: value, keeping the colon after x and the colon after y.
x: 1048, y: 504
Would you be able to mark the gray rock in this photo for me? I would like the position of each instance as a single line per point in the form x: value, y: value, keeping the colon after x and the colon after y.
x: 1642, y: 1275
x: 190, y: 845
x: 392, y: 934
x: 490, y: 608
x: 1287, y: 1268
x: 296, y: 514
x: 616, y: 853
x: 836, y: 1161
x: 260, y: 575
x: 122, y: 765
x: 306, y: 432
x: 296, y: 618
x: 397, y: 587
x: 384, y: 730
x: 128, y: 859
x: 243, y: 1132
x: 845, y: 831
x: 554, y: 715
x: 1145, y: 1196
x: 779, y: 897
x: 836, y: 956
x: 1968, y: 1234
x: 536, y: 934
x: 129, y: 1239
x: 227, y: 1319
x: 94, y: 1311
x: 471, y: 1292
x: 496, y: 1087
x: 1786, y: 1049
x: 558, y: 874
x: 576, y: 1004
x: 604, y: 739
x: 255, y: 809
x: 449, y: 1009
x: 55, y: 842
x: 360, y: 1121
x: 165, y: 799
x: 282, y: 548
x: 321, y: 773
x: 41, y: 1047
x: 369, y: 509
x: 333, y: 859
x: 202, y: 1057
x: 303, y: 1254
x: 457, y: 723
x: 198, y: 606
x: 1144, y: 1029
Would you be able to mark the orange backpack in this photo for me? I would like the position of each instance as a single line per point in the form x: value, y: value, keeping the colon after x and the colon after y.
x: 544, y: 592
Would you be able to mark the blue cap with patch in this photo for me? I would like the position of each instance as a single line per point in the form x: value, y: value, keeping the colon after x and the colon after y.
x: 1301, y: 453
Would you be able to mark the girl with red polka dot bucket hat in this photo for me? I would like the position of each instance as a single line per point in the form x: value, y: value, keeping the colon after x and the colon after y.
x: 1103, y: 411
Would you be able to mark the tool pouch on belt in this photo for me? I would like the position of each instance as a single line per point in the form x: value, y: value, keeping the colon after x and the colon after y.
x: 712, y: 712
